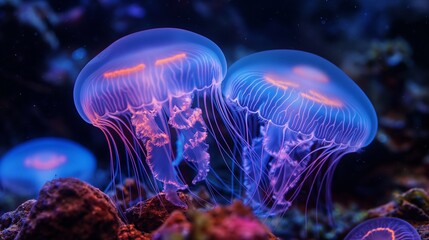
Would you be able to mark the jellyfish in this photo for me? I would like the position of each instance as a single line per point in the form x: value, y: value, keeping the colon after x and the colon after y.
x: 25, y: 168
x: 145, y: 88
x: 292, y: 113
x: 383, y: 228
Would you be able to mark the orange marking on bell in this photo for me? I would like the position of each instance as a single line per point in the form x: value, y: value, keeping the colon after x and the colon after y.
x: 170, y: 59
x: 310, y: 73
x: 318, y: 97
x: 392, y: 232
x: 51, y: 163
x: 124, y: 71
x: 280, y: 83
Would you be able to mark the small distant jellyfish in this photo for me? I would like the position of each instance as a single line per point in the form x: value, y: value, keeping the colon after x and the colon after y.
x: 145, y: 88
x: 25, y: 168
x: 384, y: 228
x: 293, y: 112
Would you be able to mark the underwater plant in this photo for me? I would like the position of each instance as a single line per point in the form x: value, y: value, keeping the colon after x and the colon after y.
x: 142, y: 88
x: 383, y: 228
x: 25, y: 168
x: 292, y: 112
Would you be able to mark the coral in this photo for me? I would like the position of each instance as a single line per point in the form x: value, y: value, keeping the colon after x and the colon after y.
x: 152, y: 213
x: 176, y: 226
x: 412, y: 205
x: 129, y: 232
x: 68, y: 208
x: 11, y: 222
x: 235, y: 221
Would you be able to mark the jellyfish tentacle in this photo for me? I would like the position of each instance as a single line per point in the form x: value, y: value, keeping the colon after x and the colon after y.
x: 195, y: 148
x: 264, y: 188
x: 161, y: 166
x: 146, y: 128
x: 290, y: 151
x: 255, y: 161
x: 286, y: 170
x: 283, y: 175
x: 159, y: 155
x: 190, y: 124
x: 273, y: 138
x: 171, y: 195
x: 180, y: 113
x: 199, y: 156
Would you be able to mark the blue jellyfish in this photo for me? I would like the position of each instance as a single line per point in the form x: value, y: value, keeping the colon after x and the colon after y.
x: 145, y: 88
x: 25, y: 168
x: 383, y: 228
x: 292, y: 112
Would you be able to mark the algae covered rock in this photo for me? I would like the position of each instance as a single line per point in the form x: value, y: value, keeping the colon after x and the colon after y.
x: 68, y: 208
x: 152, y: 213
x: 11, y: 222
x: 129, y: 232
x: 412, y: 205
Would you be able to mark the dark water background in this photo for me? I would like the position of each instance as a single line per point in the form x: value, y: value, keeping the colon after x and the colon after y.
x: 382, y: 45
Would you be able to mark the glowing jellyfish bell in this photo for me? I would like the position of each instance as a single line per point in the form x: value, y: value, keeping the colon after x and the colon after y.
x: 294, y: 111
x: 384, y: 228
x: 25, y: 168
x: 143, y: 85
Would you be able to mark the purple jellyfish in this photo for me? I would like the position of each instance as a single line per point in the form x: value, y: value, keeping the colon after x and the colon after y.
x: 292, y: 112
x: 383, y: 228
x: 142, y: 87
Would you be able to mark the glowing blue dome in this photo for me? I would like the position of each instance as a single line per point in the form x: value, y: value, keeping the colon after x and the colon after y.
x: 304, y: 92
x: 26, y: 167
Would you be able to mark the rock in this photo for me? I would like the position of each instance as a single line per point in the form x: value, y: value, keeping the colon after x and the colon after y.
x: 71, y: 209
x: 152, y: 213
x: 11, y: 222
x: 176, y: 226
x: 68, y: 208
